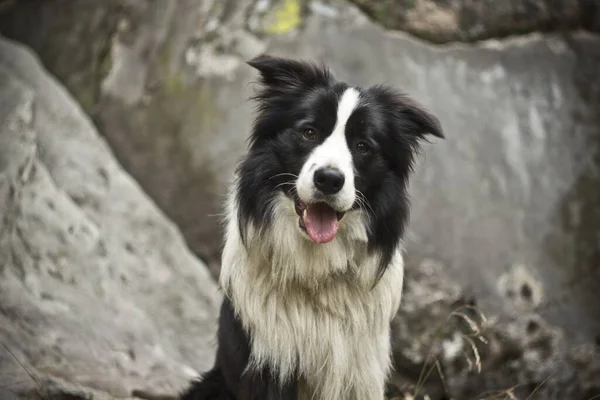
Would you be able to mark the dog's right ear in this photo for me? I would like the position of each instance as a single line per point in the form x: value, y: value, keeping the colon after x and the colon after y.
x: 288, y: 73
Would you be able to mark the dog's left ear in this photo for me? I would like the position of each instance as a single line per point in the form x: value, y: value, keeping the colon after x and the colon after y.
x: 285, y: 72
x: 409, y: 115
x: 426, y: 123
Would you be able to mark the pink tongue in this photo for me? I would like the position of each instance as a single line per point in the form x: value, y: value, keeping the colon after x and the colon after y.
x: 321, y: 222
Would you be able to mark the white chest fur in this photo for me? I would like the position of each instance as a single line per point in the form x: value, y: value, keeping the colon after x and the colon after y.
x: 311, y: 309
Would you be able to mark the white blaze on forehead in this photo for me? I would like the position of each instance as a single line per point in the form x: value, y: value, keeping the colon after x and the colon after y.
x: 346, y: 106
x: 334, y: 153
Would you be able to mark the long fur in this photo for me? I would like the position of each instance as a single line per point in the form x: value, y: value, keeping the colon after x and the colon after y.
x: 303, y: 320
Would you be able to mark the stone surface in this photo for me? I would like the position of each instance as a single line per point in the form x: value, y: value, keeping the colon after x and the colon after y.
x: 507, y: 204
x: 447, y: 348
x: 97, y: 286
x: 158, y: 79
x: 443, y: 21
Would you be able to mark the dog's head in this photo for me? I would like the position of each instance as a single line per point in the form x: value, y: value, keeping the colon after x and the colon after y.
x: 333, y: 149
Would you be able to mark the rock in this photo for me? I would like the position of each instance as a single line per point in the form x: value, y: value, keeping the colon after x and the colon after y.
x: 151, y: 75
x: 445, y: 347
x: 442, y: 21
x: 526, y: 350
x: 97, y: 287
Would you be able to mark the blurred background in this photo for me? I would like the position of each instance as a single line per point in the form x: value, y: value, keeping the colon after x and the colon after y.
x: 121, y: 122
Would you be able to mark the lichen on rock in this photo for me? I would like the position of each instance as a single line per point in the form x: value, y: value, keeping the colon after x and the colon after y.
x: 276, y: 17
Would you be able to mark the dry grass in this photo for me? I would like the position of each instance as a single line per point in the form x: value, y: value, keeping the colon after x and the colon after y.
x: 473, y: 337
x: 20, y: 364
x: 473, y: 357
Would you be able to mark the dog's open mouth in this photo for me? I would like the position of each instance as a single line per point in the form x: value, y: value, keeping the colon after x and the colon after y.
x: 319, y: 220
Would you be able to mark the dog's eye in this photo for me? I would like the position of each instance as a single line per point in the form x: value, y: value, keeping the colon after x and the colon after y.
x: 362, y: 147
x: 309, y: 134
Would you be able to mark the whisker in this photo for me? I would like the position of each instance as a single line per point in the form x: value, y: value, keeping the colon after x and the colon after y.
x: 363, y: 201
x: 284, y: 174
x: 366, y: 201
x: 284, y: 183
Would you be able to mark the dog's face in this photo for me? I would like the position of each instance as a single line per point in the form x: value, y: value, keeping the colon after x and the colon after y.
x: 332, y: 149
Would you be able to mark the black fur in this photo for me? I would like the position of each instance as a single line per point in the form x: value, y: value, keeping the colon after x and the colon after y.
x: 294, y: 95
x: 226, y: 380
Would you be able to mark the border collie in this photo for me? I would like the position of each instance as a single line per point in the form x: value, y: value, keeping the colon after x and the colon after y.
x: 312, y: 266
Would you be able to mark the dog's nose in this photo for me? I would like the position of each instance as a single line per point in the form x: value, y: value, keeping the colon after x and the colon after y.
x: 328, y: 180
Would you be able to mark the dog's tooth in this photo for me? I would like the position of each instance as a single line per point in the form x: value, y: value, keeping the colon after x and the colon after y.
x: 304, y: 213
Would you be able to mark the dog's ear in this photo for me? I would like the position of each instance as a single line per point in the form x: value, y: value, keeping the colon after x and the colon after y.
x: 425, y: 121
x: 407, y: 114
x: 288, y: 73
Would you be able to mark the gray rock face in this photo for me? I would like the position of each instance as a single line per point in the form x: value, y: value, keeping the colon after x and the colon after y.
x: 507, y: 204
x: 97, y: 286
x: 154, y: 75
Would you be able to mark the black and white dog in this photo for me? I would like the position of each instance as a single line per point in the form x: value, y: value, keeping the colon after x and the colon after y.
x: 312, y: 266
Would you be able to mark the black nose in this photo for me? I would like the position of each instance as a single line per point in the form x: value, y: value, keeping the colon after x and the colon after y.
x: 328, y: 180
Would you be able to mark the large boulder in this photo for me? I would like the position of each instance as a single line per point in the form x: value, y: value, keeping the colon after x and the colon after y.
x: 99, y: 294
x: 443, y: 21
